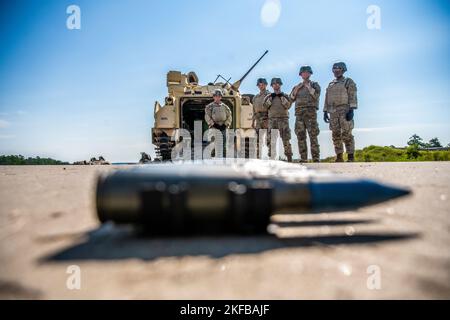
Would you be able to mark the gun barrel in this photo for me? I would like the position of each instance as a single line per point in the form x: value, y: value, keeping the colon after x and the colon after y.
x: 210, y: 197
x: 237, y: 84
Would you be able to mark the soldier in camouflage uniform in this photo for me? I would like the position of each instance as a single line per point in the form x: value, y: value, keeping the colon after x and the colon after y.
x: 340, y: 102
x: 278, y: 104
x: 260, y: 111
x: 306, y: 97
x: 218, y: 115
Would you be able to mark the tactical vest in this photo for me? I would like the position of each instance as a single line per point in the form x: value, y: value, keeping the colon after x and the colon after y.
x: 305, y: 99
x: 218, y: 113
x: 277, y: 110
x: 258, y: 102
x: 337, y: 94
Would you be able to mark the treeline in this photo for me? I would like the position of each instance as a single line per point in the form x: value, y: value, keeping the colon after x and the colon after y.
x: 418, y: 142
x: 416, y: 150
x: 392, y: 154
x: 21, y: 160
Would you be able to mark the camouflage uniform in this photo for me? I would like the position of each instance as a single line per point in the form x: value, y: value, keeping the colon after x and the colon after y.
x: 218, y: 114
x: 278, y: 111
x: 260, y: 112
x: 306, y: 106
x: 260, y: 115
x: 340, y: 98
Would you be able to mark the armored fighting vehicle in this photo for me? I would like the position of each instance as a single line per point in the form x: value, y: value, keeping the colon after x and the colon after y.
x: 186, y: 102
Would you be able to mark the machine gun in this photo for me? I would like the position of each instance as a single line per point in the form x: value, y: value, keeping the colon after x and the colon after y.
x: 237, y: 84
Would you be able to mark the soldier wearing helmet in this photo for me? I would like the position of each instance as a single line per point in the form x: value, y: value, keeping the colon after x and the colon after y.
x: 278, y: 104
x: 218, y: 116
x: 306, y: 97
x: 217, y: 113
x: 260, y: 111
x: 340, y: 103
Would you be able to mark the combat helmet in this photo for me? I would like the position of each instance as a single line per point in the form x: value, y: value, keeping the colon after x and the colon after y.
x: 261, y: 80
x: 305, y: 69
x: 341, y: 65
x: 276, y: 80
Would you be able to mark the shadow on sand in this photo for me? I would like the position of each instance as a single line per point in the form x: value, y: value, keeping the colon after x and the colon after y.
x: 110, y: 242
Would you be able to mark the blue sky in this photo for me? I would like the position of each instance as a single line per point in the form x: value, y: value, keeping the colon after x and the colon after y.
x: 73, y: 94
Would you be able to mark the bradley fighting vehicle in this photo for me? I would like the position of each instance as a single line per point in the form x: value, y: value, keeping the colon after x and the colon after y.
x: 186, y: 102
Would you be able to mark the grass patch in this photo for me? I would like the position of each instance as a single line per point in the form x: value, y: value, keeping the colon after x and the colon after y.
x: 390, y: 154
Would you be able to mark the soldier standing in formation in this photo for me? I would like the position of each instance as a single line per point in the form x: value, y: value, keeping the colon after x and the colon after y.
x: 271, y: 110
x: 340, y: 102
x: 218, y: 115
x: 306, y: 97
x: 278, y: 104
x: 260, y: 111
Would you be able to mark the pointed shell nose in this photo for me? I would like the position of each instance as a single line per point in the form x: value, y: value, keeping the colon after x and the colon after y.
x: 352, y: 194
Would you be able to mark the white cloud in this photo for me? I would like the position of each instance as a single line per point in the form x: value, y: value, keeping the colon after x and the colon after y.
x: 4, y: 124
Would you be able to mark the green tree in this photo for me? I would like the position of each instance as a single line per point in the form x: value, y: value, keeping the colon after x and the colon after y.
x: 416, y: 140
x: 20, y: 160
x: 435, y: 143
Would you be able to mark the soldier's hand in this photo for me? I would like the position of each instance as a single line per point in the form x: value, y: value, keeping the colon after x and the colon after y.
x: 297, y: 88
x: 220, y: 127
x: 326, y: 118
x: 349, y: 115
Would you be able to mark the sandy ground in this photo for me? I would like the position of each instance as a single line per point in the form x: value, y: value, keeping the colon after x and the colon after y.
x: 399, y: 249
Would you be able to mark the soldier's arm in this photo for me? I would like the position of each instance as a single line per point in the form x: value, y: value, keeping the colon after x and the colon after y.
x: 286, y: 101
x: 293, y: 94
x: 316, y: 94
x: 208, y: 116
x: 325, y: 105
x: 352, y: 97
x: 311, y: 89
x: 268, y: 101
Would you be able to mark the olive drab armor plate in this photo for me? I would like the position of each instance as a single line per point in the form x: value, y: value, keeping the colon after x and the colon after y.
x: 337, y: 93
x: 219, y: 113
x: 258, y: 102
x: 304, y: 98
x: 278, y: 106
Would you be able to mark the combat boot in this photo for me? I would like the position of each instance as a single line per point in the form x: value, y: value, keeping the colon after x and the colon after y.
x: 339, y: 158
x: 289, y: 158
x: 316, y: 160
x: 351, y: 157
